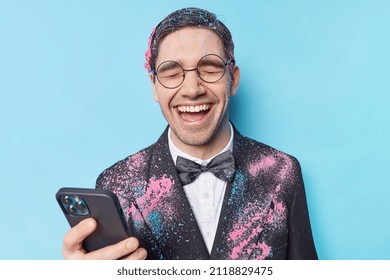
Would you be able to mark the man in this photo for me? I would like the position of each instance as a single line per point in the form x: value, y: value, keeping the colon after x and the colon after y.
x: 202, y: 191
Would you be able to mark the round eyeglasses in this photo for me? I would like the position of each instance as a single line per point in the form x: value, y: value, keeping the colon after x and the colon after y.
x: 211, y: 68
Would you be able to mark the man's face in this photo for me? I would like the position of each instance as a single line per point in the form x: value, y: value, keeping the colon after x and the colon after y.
x: 196, y: 110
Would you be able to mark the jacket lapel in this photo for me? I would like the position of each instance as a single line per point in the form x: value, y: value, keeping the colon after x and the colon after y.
x: 165, y: 209
x: 243, y: 213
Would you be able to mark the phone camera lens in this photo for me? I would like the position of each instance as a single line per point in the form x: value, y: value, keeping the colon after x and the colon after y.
x: 71, y: 209
x: 80, y: 206
x: 66, y: 199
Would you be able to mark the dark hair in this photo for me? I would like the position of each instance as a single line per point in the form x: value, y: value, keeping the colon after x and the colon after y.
x: 187, y: 17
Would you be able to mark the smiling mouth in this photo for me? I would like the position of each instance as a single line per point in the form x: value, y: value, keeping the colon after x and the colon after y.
x: 193, y: 113
x: 193, y: 109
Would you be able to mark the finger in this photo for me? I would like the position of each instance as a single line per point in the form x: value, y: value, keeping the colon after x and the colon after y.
x: 139, y: 254
x: 116, y: 251
x: 73, y: 240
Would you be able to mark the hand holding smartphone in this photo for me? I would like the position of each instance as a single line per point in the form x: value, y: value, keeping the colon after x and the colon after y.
x: 102, y: 205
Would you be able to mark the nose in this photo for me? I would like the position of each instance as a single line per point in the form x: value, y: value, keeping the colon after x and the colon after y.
x: 192, y: 84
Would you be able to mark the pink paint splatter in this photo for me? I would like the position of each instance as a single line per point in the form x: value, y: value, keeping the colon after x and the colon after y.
x: 279, y: 207
x: 266, y: 250
x: 245, y: 245
x: 286, y: 167
x: 243, y: 226
x: 156, y: 191
x: 265, y: 163
x: 136, y: 214
x: 238, y: 249
x: 148, y: 53
x: 246, y: 230
x: 276, y: 214
x: 137, y: 160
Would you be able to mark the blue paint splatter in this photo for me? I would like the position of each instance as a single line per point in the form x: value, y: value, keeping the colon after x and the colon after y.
x: 155, y: 224
x: 238, y: 186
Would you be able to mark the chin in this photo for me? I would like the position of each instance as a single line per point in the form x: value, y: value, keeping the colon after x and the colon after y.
x: 202, y: 135
x: 193, y: 139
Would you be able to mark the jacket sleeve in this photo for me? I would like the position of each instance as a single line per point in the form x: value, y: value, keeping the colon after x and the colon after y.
x: 300, y: 240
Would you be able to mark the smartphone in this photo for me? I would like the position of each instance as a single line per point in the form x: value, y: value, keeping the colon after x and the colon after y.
x: 78, y: 204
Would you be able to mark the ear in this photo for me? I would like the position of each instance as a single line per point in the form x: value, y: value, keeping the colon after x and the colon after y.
x: 152, y: 79
x: 235, y: 81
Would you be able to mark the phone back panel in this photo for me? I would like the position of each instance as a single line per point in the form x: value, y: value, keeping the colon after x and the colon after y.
x: 105, y: 208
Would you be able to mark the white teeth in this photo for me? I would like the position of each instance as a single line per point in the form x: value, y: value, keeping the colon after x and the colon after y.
x: 193, y: 109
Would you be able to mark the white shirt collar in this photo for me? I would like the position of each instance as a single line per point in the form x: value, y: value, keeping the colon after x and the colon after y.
x: 175, y: 152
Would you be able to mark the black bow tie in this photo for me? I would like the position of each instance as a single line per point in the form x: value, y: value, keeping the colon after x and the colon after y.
x: 222, y: 166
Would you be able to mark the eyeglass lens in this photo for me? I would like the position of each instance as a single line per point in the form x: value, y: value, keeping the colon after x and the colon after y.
x: 211, y: 69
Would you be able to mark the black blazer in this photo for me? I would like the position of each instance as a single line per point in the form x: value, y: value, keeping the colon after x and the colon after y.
x: 264, y: 213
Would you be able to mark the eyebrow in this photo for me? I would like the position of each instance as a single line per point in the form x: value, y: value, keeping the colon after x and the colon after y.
x: 167, y: 65
x: 213, y: 63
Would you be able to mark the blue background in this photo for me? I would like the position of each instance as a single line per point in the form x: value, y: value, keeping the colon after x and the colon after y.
x: 75, y: 98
